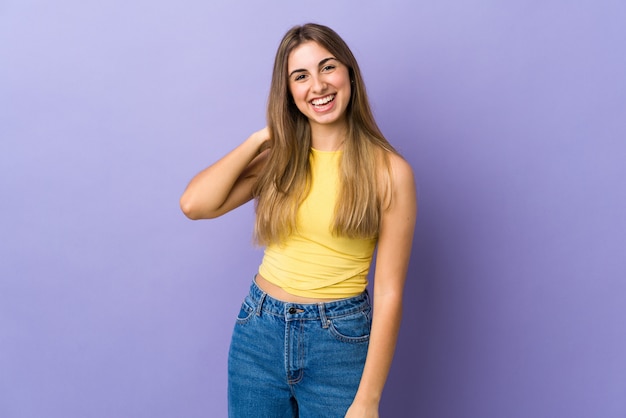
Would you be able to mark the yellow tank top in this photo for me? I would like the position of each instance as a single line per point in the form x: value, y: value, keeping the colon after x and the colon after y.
x: 313, y: 262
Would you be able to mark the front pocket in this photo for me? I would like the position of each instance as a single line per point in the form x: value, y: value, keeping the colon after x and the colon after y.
x: 353, y: 328
x: 245, y: 313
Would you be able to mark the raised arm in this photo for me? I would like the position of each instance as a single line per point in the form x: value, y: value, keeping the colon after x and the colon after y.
x: 228, y: 183
x: 392, y: 259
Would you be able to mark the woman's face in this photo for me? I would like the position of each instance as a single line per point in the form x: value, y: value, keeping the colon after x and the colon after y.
x: 319, y: 84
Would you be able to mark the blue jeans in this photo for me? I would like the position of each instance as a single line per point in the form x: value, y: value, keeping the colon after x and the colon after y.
x: 296, y: 360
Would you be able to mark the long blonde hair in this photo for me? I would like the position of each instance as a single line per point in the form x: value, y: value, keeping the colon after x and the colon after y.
x: 285, y: 181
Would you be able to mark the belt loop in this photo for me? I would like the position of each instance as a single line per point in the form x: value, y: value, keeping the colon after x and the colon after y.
x: 321, y: 308
x: 260, y: 305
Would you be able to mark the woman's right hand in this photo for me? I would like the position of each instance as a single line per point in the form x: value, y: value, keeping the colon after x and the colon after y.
x: 264, y: 137
x: 229, y: 182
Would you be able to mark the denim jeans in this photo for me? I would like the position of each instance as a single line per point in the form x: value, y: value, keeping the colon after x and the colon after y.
x: 296, y: 360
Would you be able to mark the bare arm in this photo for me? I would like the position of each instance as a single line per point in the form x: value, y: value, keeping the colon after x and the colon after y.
x: 228, y: 183
x: 392, y: 259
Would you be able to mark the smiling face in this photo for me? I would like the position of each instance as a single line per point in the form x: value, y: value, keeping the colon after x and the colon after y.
x: 319, y: 85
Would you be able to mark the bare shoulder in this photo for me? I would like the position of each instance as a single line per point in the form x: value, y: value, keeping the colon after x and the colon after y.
x: 400, y: 185
x: 401, y: 170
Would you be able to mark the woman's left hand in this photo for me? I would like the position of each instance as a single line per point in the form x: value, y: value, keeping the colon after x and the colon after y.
x: 362, y: 411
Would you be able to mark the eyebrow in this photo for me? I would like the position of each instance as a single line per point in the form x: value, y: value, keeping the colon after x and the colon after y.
x: 321, y: 63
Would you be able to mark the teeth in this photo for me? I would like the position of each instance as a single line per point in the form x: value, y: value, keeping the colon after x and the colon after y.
x: 323, y: 101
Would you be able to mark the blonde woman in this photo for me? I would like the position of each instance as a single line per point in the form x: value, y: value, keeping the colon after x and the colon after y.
x: 328, y: 189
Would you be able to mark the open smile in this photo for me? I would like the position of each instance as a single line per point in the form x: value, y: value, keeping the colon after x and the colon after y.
x: 323, y: 103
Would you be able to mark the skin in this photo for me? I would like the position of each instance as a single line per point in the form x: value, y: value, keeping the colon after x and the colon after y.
x: 315, y: 74
x: 394, y: 250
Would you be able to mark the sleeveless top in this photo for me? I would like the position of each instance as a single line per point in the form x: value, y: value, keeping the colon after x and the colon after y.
x: 312, y: 262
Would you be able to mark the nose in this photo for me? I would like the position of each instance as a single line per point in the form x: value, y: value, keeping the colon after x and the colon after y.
x: 318, y: 84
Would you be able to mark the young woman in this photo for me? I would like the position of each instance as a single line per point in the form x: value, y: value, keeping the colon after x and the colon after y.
x: 329, y: 188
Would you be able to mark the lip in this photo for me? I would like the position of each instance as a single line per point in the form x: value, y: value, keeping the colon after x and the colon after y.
x: 330, y: 98
x: 321, y: 108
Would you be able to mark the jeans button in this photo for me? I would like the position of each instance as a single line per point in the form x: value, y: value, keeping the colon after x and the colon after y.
x: 292, y: 310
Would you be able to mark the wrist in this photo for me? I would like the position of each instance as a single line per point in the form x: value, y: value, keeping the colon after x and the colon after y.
x: 369, y: 399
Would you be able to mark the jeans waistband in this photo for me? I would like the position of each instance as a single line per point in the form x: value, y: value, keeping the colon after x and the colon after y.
x: 320, y: 310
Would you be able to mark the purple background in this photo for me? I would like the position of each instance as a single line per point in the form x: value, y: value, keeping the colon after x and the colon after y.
x: 513, y: 115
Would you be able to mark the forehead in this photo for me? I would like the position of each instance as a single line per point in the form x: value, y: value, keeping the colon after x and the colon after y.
x: 307, y: 56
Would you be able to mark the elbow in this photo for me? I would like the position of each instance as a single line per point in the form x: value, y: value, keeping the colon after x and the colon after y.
x: 195, y: 210
x: 189, y: 208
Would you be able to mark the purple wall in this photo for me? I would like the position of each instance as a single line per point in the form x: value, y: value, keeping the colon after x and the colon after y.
x: 513, y: 115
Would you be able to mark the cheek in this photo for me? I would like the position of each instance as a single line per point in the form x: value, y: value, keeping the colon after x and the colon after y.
x: 296, y: 99
x: 296, y: 94
x: 345, y: 85
x: 299, y: 99
x: 343, y: 81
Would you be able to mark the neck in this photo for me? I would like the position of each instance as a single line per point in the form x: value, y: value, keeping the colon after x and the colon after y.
x: 327, y: 138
